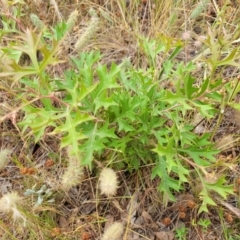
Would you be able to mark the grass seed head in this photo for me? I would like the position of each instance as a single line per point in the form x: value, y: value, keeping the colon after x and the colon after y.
x: 10, y: 203
x: 88, y: 33
x: 108, y: 182
x: 186, y: 36
x: 197, y: 44
x: 200, y: 7
x: 55, y: 5
x: 72, y: 20
x: 36, y: 21
x: 74, y: 172
x: 114, y: 232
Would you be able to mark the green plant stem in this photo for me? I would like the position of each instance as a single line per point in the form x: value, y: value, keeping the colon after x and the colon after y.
x: 194, y: 164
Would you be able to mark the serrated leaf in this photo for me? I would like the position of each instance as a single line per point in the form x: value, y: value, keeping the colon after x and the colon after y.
x: 168, y: 152
x: 121, y: 144
x: 201, y: 156
x: 73, y: 136
x: 107, y: 78
x: 30, y: 45
x: 176, y: 51
x: 7, y: 54
x: 96, y: 141
x: 229, y: 59
x: 85, y: 64
x: 128, y: 106
x: 203, y: 88
x: 123, y: 125
x: 73, y: 121
x: 181, y: 171
x: 17, y: 71
x: 91, y: 146
x: 189, y: 86
x: 38, y: 119
x: 176, y: 98
x: 49, y: 57
x: 206, y: 200
x: 78, y: 91
x: 59, y: 30
x: 105, y: 132
x: 104, y: 102
x: 168, y: 66
x: 32, y: 42
x: 220, y: 187
x: 205, y: 109
x: 235, y: 105
x: 84, y: 91
x: 167, y: 183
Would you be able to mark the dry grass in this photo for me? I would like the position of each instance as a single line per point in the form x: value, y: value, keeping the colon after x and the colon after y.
x: 79, y: 210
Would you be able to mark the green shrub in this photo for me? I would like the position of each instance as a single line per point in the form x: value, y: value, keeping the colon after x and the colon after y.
x: 127, y: 114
